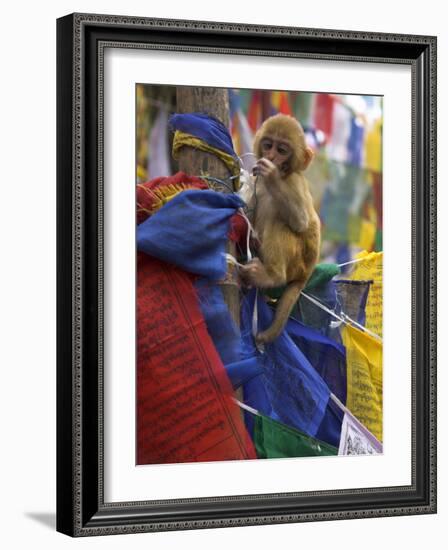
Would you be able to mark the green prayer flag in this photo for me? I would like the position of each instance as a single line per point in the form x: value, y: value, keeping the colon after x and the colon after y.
x: 378, y: 240
x: 276, y: 440
x: 303, y: 107
x: 322, y: 274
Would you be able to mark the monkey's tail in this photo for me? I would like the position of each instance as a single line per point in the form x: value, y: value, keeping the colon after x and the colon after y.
x: 284, y: 307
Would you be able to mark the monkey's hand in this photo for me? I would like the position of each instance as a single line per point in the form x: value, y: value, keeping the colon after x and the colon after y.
x: 248, y: 272
x: 254, y: 274
x: 268, y: 170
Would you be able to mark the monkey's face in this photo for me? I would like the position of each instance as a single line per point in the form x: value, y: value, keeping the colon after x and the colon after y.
x: 278, y: 151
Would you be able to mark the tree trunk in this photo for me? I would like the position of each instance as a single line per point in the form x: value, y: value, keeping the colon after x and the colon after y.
x: 213, y: 102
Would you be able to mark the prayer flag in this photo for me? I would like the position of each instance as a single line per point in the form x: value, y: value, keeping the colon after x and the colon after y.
x: 364, y: 378
x: 367, y: 235
x: 341, y: 201
x: 355, y: 143
x: 330, y: 427
x: 182, y: 139
x: 356, y: 439
x: 311, y: 315
x: 323, y: 114
x: 373, y: 148
x: 337, y: 146
x: 254, y: 111
x: 204, y: 127
x: 190, y: 231
x: 273, y: 439
x: 152, y: 195
x: 289, y: 389
x: 185, y: 407
x: 159, y: 154
x: 325, y: 355
x: 303, y: 106
x: 220, y: 325
x: 280, y: 103
x: 224, y: 333
x: 377, y: 187
x: 246, y: 139
x: 353, y: 295
x: 370, y: 268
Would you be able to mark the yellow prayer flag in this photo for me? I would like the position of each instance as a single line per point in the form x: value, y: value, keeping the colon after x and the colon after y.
x: 182, y: 139
x: 275, y: 100
x: 367, y: 234
x: 364, y: 378
x: 373, y: 148
x: 371, y: 269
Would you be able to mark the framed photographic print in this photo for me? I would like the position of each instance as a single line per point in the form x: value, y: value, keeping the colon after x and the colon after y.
x: 246, y: 274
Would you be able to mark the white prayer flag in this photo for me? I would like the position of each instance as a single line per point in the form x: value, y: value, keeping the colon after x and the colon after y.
x: 356, y: 439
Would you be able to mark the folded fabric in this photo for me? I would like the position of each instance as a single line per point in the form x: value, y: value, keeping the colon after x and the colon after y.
x: 289, y: 389
x: 152, y: 195
x: 327, y: 356
x: 204, y: 127
x: 190, y: 231
x: 273, y: 439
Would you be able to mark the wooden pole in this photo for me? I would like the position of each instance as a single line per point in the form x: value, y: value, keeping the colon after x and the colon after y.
x: 213, y: 102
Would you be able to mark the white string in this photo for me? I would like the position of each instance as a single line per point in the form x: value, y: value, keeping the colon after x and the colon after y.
x: 368, y: 257
x: 361, y: 327
x: 339, y: 404
x: 246, y: 407
x: 232, y: 260
x: 250, y: 229
x: 344, y: 318
x: 332, y: 397
x: 240, y: 157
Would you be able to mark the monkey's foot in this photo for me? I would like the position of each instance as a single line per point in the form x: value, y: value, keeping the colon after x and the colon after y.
x: 266, y: 337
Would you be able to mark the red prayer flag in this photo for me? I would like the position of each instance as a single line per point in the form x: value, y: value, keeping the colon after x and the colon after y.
x: 185, y: 410
x: 284, y: 106
x: 323, y: 114
x: 151, y: 195
x: 254, y: 111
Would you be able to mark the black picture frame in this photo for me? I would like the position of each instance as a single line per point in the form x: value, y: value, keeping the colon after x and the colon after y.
x: 81, y: 510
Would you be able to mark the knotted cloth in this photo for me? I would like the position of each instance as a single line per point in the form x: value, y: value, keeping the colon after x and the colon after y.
x: 207, y: 134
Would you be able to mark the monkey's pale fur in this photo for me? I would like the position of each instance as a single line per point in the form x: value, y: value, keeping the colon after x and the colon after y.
x: 284, y: 217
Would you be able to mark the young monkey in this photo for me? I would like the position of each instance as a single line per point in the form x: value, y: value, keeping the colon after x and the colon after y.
x: 283, y: 215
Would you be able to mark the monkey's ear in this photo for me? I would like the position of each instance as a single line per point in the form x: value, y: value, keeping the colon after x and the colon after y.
x: 308, y: 155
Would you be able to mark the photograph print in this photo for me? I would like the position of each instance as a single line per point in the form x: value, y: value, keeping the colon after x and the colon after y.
x: 259, y: 274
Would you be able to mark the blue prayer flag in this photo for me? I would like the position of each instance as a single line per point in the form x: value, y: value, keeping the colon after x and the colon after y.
x: 190, y: 231
x: 204, y: 127
x: 225, y: 334
x: 355, y: 143
x: 290, y: 389
x: 325, y: 355
x: 330, y: 427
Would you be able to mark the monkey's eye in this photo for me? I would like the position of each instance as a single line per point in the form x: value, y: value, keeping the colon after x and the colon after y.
x: 283, y: 150
x: 266, y: 145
